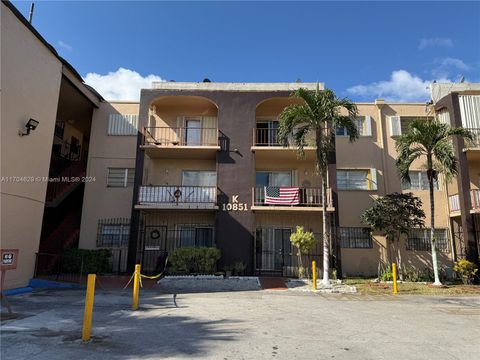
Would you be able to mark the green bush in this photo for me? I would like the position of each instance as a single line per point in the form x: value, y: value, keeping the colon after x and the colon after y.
x: 465, y: 270
x: 386, y: 274
x: 191, y: 260
x: 415, y: 275
x: 86, y: 261
x: 239, y: 268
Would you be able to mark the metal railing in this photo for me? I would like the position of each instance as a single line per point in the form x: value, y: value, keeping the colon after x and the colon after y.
x: 454, y: 200
x: 180, y: 136
x: 176, y: 195
x: 475, y: 197
x: 454, y: 203
x: 306, y: 197
x: 269, y: 137
x: 74, y: 267
x: 476, y: 137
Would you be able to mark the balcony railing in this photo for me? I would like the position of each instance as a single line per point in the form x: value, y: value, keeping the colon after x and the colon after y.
x: 454, y: 200
x: 306, y: 197
x: 171, y: 195
x: 180, y: 136
x: 454, y: 203
x: 475, y: 197
x: 269, y: 137
x: 476, y: 137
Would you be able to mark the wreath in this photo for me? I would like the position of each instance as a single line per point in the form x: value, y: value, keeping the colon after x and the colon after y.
x: 154, y: 234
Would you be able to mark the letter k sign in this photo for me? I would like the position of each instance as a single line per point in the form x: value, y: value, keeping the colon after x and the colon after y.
x: 235, y: 199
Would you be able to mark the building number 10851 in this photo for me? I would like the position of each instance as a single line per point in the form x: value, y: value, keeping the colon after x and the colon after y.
x: 234, y: 205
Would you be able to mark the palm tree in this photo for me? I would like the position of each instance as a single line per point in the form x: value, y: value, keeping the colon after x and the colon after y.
x: 318, y: 114
x: 429, y: 139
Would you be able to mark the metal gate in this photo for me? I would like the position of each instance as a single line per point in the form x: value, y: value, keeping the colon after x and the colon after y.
x: 154, y: 249
x: 273, y: 251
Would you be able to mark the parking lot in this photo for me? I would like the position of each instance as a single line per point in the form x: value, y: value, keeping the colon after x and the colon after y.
x: 242, y: 325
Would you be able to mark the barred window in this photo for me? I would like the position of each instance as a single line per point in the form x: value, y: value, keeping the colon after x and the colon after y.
x: 120, y: 177
x: 113, y: 233
x: 355, y: 237
x: 419, y: 239
x: 418, y: 181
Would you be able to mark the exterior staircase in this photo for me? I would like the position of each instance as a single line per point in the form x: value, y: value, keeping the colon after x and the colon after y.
x: 69, y: 179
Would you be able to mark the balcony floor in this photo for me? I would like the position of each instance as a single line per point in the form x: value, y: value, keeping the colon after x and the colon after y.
x: 172, y: 206
x: 290, y: 208
x: 283, y: 153
x: 180, y: 152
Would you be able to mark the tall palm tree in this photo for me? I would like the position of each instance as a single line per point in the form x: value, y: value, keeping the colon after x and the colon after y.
x: 318, y: 114
x: 430, y: 140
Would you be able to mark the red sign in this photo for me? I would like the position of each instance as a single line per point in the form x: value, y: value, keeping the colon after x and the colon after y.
x: 9, y: 258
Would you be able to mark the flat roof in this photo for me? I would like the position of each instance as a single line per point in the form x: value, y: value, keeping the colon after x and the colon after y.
x: 223, y: 86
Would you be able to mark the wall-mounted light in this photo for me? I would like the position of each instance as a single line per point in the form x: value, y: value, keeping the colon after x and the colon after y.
x: 30, y: 126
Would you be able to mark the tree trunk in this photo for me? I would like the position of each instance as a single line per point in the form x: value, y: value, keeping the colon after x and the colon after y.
x: 399, y: 260
x: 432, y: 224
x: 326, y: 239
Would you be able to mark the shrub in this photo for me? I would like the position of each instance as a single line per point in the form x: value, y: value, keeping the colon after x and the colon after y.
x: 386, y: 274
x: 304, y: 241
x: 465, y: 270
x: 87, y: 261
x: 239, y: 268
x: 191, y: 260
x: 415, y: 275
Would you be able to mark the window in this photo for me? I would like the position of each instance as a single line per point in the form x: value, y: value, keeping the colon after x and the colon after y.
x: 120, y: 177
x: 355, y: 238
x: 357, y: 179
x: 273, y: 178
x: 399, y: 125
x: 119, y: 124
x: 113, y: 233
x: 418, y: 181
x: 419, y: 239
x: 196, y: 236
x: 199, y: 178
x: 364, y: 126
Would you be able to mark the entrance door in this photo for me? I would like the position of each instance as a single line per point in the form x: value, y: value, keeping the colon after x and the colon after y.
x: 273, y: 250
x: 193, y: 129
x: 154, y: 251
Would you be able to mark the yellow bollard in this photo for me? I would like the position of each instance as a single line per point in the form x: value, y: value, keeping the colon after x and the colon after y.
x: 87, y: 315
x: 394, y: 273
x: 136, y: 287
x: 314, y: 274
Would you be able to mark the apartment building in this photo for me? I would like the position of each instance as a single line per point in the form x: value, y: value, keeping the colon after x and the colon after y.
x: 206, y: 162
x: 459, y: 106
x: 199, y: 164
x: 46, y: 117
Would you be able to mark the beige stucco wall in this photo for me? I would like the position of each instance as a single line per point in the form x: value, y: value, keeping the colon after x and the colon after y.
x: 169, y: 171
x: 30, y: 83
x: 378, y: 151
x: 100, y: 201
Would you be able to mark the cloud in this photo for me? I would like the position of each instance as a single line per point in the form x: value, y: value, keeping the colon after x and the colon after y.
x: 445, y: 66
x: 123, y: 84
x: 435, y: 42
x: 64, y: 45
x: 401, y: 87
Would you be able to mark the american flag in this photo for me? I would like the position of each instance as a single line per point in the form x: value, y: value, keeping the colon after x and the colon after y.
x: 281, y: 195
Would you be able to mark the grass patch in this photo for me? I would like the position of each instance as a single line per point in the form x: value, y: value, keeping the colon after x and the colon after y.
x: 367, y: 287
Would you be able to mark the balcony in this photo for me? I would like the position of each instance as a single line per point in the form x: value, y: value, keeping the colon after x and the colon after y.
x: 177, y: 197
x: 181, y: 142
x: 454, y: 203
x: 472, y: 150
x: 266, y: 145
x: 301, y: 199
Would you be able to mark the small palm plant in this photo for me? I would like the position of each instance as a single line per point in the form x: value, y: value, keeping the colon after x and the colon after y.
x: 318, y: 114
x: 429, y: 140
